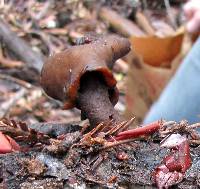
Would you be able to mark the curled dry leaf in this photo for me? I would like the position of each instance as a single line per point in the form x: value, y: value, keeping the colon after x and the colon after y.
x: 158, y: 50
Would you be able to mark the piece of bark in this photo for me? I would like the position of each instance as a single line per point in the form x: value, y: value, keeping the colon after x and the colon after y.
x: 119, y: 23
x: 20, y: 48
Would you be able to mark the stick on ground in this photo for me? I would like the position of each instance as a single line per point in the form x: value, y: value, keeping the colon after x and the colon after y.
x: 20, y: 48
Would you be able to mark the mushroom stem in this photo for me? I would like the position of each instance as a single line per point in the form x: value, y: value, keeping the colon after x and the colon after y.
x: 93, y: 100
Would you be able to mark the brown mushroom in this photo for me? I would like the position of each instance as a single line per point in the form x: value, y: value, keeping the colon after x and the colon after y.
x: 81, y: 77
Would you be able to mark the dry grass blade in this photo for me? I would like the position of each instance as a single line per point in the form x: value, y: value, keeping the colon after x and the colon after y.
x: 126, y: 126
x: 113, y: 144
x: 121, y: 127
x: 116, y: 128
x: 96, y: 129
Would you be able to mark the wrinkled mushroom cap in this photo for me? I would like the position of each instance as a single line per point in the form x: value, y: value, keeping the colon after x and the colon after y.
x: 62, y: 72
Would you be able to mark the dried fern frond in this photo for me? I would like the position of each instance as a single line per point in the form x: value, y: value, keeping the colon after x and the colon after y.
x: 21, y: 132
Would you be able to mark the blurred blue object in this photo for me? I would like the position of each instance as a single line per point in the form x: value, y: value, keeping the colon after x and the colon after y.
x: 181, y: 97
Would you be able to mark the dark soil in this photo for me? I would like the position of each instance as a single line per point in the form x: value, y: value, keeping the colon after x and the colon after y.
x: 127, y: 166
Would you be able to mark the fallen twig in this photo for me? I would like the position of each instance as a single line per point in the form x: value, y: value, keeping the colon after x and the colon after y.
x: 17, y: 45
x: 5, y: 106
x: 119, y: 23
x: 17, y: 81
x: 8, y: 63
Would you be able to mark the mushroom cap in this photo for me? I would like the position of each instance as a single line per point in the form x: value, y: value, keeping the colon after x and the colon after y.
x: 62, y: 72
